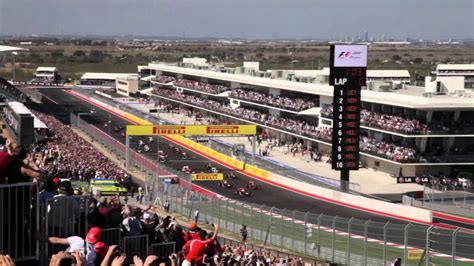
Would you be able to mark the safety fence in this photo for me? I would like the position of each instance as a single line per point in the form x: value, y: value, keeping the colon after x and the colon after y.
x: 337, y: 239
x: 445, y: 198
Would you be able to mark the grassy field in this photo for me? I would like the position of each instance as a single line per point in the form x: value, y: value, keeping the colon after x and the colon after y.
x: 75, y: 59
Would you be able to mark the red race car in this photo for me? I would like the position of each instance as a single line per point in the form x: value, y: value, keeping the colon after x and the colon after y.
x: 253, y: 186
x: 225, y: 184
x: 243, y: 192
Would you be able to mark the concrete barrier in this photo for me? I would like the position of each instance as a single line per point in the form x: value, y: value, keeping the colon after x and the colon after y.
x: 357, y: 202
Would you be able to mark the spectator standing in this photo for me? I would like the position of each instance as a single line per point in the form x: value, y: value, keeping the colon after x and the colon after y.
x: 195, y: 248
x: 130, y: 224
x: 243, y: 233
x: 140, y: 195
x: 196, y: 216
x: 166, y: 205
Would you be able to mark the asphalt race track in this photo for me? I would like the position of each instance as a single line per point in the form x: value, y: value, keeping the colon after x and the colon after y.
x: 269, y: 195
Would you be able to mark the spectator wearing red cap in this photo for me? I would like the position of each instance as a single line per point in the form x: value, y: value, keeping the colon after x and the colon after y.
x: 194, y: 249
x: 192, y: 233
x: 76, y: 243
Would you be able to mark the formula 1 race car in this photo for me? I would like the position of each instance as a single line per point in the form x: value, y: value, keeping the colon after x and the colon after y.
x: 225, y: 184
x: 118, y: 128
x: 251, y: 185
x: 186, y: 169
x: 242, y: 192
x: 184, y: 156
x: 231, y: 176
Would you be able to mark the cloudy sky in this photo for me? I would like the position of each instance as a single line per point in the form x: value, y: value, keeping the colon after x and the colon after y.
x: 433, y: 19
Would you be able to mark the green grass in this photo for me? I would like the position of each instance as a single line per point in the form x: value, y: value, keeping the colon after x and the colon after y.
x: 258, y: 225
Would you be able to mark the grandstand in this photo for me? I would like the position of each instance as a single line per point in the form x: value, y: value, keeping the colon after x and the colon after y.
x: 406, y: 130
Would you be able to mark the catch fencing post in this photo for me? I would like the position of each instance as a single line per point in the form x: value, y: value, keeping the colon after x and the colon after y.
x: 234, y: 218
x: 349, y: 229
x: 293, y: 230
x: 385, y: 228
x: 305, y: 217
x: 242, y: 212
x: 225, y: 215
x: 405, y: 243
x: 319, y: 232
x: 453, y: 251
x: 366, y: 229
x: 127, y: 152
x: 428, y: 232
x: 270, y: 225
x: 281, y: 228
x: 333, y: 239
x: 218, y: 210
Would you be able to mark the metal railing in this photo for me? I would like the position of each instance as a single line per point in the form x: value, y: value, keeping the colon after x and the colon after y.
x: 445, y: 198
x: 19, y: 220
x: 337, y: 239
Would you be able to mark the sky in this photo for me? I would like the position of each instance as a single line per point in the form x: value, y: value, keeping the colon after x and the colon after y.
x: 250, y: 19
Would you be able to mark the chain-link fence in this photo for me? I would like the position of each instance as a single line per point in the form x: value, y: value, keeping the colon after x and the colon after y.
x: 449, y: 199
x: 337, y: 239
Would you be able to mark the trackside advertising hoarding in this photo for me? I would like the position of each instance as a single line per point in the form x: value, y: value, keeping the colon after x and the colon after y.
x: 207, y: 177
x: 190, y: 130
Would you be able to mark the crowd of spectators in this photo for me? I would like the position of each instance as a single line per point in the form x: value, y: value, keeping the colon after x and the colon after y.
x: 201, y: 86
x: 386, y: 122
x: 392, y: 151
x: 294, y: 104
x: 66, y: 155
x: 301, y: 127
x: 163, y: 79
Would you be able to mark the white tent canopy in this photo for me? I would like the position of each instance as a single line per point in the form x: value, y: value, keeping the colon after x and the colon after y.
x: 5, y: 48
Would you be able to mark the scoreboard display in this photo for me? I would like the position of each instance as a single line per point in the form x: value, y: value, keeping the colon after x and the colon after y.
x: 348, y: 73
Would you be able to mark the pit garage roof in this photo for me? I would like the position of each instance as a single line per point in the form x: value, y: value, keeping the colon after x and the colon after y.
x: 107, y: 76
x: 47, y: 69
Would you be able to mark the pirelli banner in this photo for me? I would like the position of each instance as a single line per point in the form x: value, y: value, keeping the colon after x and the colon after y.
x: 207, y: 177
x: 190, y: 130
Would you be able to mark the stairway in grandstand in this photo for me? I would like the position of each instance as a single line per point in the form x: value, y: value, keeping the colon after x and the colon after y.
x: 9, y: 91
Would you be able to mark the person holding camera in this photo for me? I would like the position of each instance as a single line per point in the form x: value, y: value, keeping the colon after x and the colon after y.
x: 194, y: 249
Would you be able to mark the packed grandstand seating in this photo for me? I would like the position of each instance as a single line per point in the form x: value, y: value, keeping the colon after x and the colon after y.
x: 386, y: 122
x: 201, y: 86
x: 397, y: 152
x: 409, y: 126
x: 163, y: 79
x: 7, y: 90
x: 66, y: 155
x: 293, y: 104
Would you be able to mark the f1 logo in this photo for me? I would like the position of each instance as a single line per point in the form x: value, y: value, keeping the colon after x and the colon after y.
x: 344, y: 54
